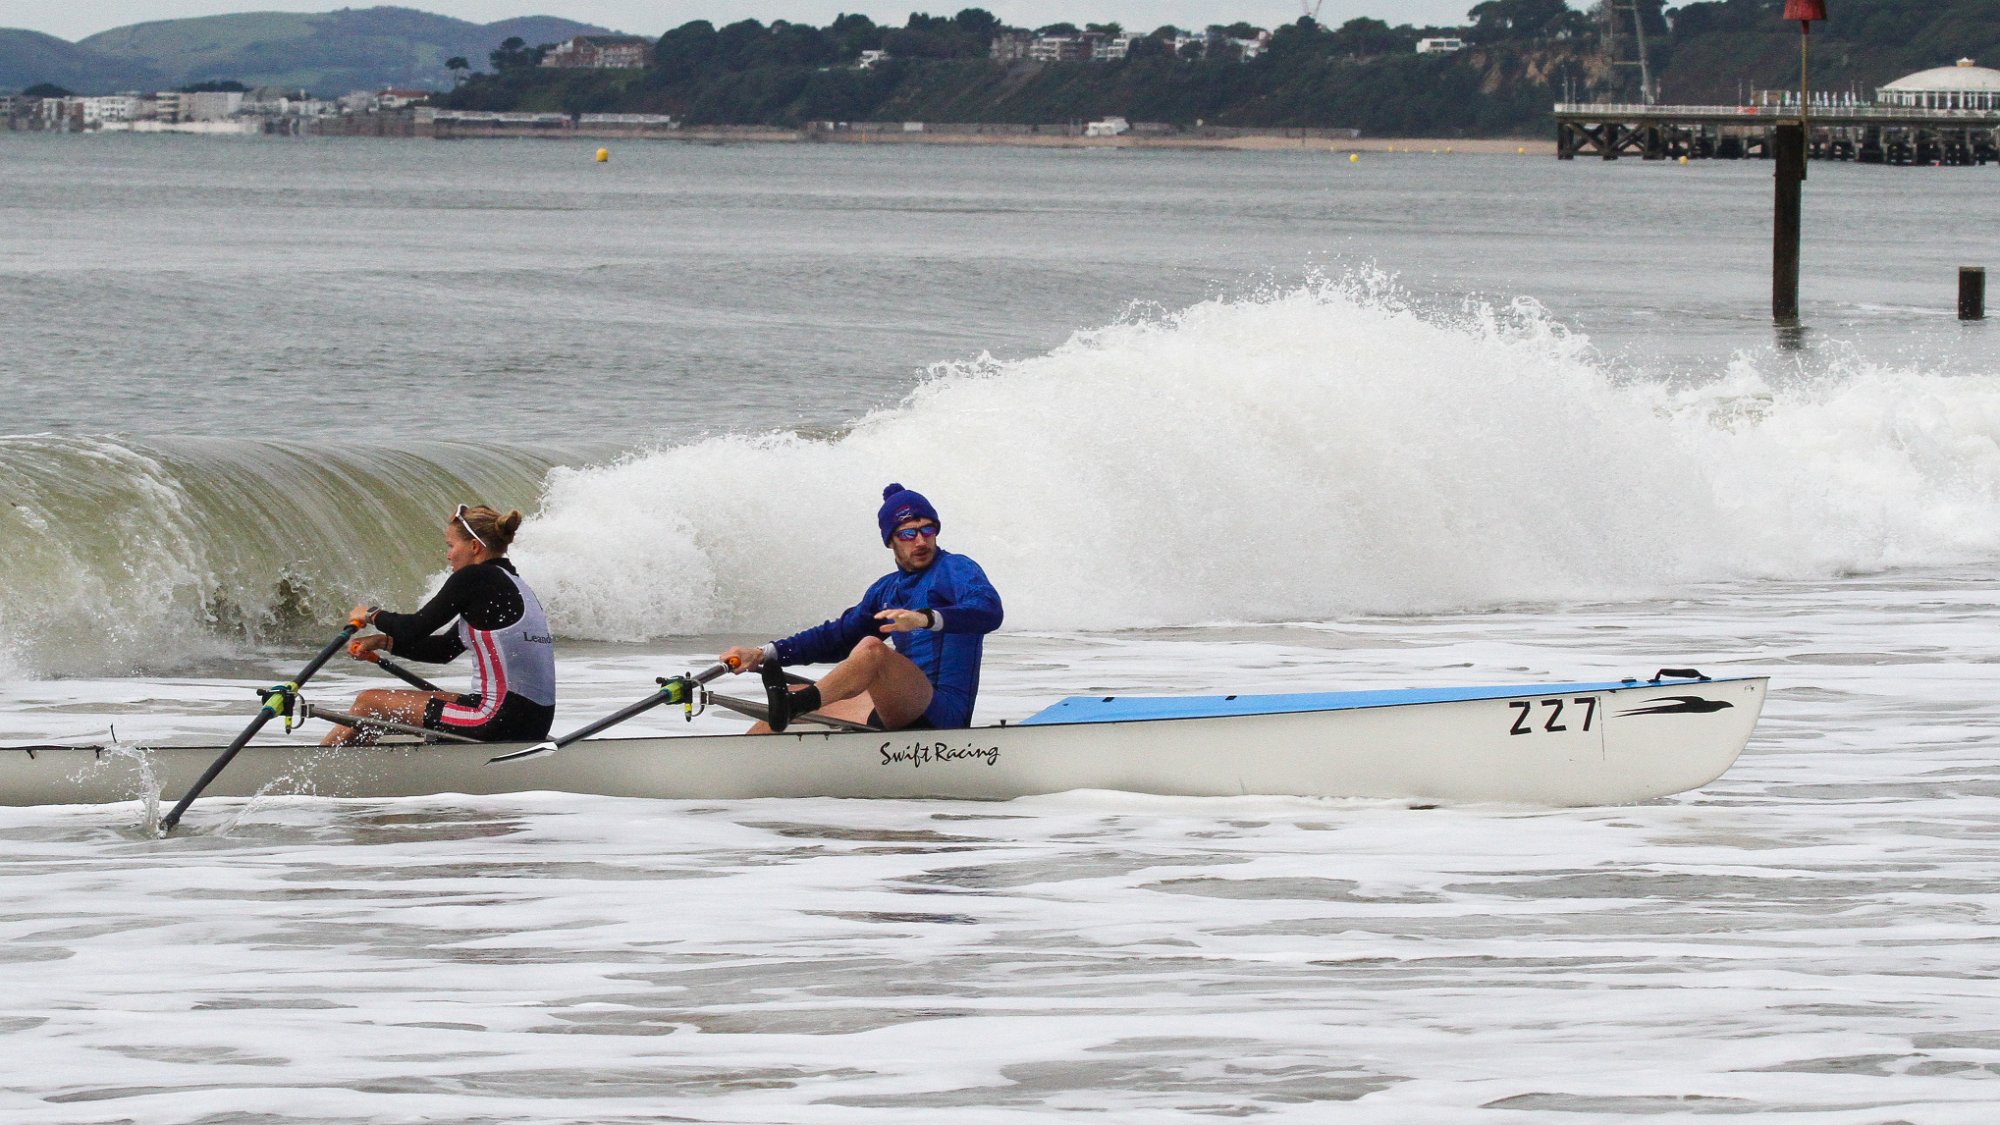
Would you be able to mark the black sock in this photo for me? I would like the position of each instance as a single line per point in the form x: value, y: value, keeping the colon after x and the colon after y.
x: 805, y: 700
x: 777, y: 696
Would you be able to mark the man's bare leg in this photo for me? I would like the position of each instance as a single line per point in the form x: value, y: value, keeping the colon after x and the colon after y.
x: 895, y: 688
x: 854, y: 710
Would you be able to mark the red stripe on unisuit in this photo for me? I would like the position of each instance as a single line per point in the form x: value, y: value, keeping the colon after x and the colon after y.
x: 492, y: 684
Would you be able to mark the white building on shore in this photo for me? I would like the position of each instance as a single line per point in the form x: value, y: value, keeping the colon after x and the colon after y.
x: 1967, y: 86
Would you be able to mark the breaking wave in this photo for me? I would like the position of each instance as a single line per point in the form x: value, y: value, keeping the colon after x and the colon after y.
x: 1310, y: 454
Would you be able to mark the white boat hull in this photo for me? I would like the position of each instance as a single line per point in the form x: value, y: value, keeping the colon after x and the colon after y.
x: 1556, y: 745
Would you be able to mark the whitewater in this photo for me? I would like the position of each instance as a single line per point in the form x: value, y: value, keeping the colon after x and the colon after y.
x: 1308, y: 454
x: 1321, y: 438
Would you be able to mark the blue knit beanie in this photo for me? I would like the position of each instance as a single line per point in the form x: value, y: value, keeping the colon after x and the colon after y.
x: 900, y: 504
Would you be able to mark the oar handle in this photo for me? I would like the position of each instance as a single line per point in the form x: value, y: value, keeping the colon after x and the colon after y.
x: 713, y: 672
x: 275, y: 704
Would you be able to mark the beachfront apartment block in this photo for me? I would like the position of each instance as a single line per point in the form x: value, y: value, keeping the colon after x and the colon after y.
x: 1011, y: 46
x: 1112, y: 48
x: 601, y: 52
x: 1061, y: 48
x: 1097, y: 46
x: 111, y: 109
x: 175, y: 106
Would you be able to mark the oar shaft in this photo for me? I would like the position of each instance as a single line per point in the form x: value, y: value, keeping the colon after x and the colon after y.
x: 668, y: 693
x: 367, y: 722
x: 215, y: 768
x: 612, y: 720
x: 644, y: 705
x: 405, y: 675
x: 264, y: 715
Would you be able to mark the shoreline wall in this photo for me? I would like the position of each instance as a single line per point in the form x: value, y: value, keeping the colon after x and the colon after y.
x: 1143, y: 135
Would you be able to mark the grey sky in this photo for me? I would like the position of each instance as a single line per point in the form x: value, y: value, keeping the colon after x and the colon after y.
x: 75, y: 21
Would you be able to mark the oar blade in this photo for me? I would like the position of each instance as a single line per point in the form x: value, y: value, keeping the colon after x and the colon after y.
x: 538, y: 750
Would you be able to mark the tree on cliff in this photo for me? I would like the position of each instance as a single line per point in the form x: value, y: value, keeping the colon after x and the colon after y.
x: 1498, y: 20
x: 515, y: 54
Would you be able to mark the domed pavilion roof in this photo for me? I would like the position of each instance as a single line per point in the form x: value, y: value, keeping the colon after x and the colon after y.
x: 1964, y: 76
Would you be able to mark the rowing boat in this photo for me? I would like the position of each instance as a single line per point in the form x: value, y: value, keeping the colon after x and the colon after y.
x: 1546, y: 744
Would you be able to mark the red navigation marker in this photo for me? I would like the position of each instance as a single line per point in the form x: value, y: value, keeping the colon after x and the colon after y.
x: 1805, y: 11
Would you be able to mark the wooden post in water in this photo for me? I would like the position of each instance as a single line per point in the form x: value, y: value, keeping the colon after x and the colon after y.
x: 1791, y: 174
x: 1972, y: 293
x: 1790, y: 145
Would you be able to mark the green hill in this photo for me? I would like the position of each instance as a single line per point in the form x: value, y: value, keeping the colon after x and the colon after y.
x: 1524, y: 56
x: 328, y: 53
x: 29, y: 57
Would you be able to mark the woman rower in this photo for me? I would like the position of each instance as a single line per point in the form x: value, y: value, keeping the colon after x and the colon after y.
x: 499, y: 620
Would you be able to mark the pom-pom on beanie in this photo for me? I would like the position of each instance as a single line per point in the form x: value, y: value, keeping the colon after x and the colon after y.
x: 900, y: 504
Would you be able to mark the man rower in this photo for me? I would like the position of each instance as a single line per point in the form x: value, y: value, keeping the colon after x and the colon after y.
x: 935, y: 609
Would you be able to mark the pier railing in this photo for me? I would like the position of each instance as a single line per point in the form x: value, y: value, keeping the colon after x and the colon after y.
x: 1820, y: 114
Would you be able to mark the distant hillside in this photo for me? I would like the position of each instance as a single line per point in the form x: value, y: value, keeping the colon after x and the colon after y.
x: 29, y: 57
x: 328, y: 53
x: 1523, y: 56
x: 1363, y: 75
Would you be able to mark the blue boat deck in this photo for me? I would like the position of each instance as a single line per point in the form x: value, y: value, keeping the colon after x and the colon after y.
x: 1133, y: 708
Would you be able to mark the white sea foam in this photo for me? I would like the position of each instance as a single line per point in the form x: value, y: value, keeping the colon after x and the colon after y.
x: 1301, y: 455
x: 1311, y: 454
x: 1805, y: 940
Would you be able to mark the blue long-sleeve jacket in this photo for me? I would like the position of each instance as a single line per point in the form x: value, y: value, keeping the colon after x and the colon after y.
x: 968, y: 608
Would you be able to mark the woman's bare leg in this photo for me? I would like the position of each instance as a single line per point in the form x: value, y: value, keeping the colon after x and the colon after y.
x: 383, y: 703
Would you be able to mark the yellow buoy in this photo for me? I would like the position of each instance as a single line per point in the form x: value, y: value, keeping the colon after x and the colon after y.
x: 1354, y: 158
x: 603, y: 156
x: 1447, y: 152
x: 1684, y: 160
x: 1522, y: 151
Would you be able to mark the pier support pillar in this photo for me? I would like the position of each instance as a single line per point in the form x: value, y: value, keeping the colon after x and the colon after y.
x: 1972, y: 293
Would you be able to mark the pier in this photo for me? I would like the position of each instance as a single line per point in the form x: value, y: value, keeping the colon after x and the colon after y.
x: 1867, y: 134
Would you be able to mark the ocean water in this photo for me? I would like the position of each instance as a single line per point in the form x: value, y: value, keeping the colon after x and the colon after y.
x: 1245, y: 422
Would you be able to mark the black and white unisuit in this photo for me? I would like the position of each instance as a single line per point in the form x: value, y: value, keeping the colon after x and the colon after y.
x: 514, y: 655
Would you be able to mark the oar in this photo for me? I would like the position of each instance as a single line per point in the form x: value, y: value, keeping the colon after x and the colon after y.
x: 277, y: 701
x: 680, y: 689
x: 400, y: 672
x: 366, y: 722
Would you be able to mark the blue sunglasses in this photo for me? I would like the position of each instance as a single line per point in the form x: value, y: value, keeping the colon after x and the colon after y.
x: 910, y: 534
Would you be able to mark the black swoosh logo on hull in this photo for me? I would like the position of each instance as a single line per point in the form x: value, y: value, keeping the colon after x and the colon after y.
x: 1680, y: 705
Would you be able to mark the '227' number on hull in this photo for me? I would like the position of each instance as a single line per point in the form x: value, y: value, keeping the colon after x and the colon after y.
x: 1552, y: 716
